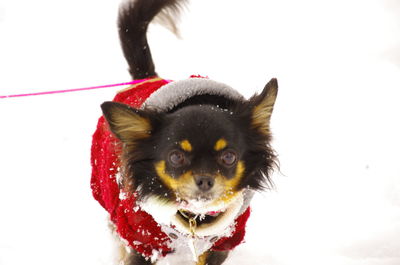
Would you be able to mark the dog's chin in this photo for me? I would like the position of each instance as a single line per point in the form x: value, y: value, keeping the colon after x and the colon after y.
x: 212, y: 216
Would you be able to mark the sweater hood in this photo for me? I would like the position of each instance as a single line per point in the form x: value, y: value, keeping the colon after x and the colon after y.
x: 172, y: 94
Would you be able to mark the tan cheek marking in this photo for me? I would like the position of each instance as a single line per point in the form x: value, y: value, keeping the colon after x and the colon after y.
x: 231, y: 184
x: 220, y: 144
x: 168, y: 180
x: 165, y: 177
x: 240, y: 168
x: 186, y: 146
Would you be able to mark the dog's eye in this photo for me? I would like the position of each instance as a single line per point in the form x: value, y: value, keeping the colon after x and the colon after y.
x: 228, y: 158
x: 177, y: 158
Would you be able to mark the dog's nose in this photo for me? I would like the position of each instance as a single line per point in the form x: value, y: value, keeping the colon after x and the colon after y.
x: 204, y: 183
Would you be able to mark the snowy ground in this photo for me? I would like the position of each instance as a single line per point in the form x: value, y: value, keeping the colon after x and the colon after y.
x: 336, y: 122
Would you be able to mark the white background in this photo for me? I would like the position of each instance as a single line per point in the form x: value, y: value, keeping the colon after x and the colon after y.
x: 336, y: 122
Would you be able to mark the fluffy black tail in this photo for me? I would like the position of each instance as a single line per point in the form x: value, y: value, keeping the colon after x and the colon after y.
x: 134, y: 19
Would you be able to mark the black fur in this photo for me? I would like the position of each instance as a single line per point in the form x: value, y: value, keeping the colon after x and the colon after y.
x: 202, y: 124
x: 202, y: 120
x: 216, y: 257
x: 261, y: 159
x: 133, y: 21
x: 137, y: 259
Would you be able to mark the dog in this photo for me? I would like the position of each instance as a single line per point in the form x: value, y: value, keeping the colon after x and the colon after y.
x: 176, y: 163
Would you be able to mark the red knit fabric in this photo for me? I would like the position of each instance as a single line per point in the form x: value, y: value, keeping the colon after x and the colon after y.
x: 137, y: 227
x: 229, y: 243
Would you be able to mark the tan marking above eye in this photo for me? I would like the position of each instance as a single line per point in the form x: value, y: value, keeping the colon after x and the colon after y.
x: 220, y: 144
x: 186, y: 146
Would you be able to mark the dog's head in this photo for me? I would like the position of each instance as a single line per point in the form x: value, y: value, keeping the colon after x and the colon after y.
x: 198, y: 156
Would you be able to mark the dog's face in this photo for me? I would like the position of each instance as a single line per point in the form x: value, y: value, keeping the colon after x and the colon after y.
x: 197, y: 154
x: 200, y: 154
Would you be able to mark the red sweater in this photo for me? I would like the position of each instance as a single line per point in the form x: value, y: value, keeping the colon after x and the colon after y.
x: 134, y: 225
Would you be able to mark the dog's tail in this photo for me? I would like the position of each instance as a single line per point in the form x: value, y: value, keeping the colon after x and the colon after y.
x: 133, y: 21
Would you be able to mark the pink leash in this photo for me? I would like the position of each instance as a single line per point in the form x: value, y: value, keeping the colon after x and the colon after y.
x: 72, y: 90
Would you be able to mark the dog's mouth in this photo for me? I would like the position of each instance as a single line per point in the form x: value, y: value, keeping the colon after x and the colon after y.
x: 208, y: 219
x: 199, y: 219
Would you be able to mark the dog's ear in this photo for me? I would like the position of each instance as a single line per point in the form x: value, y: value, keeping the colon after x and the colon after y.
x: 127, y: 124
x: 262, y: 107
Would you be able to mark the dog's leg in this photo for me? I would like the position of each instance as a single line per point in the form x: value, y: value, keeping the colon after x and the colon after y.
x: 213, y: 258
x: 136, y: 259
x: 126, y: 255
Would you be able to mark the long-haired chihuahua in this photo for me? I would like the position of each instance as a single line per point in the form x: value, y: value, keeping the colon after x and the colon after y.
x: 176, y: 163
